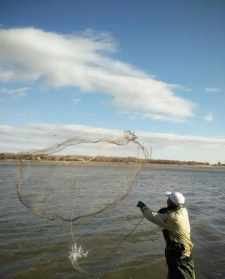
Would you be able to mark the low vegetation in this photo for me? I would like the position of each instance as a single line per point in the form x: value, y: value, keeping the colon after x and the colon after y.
x: 77, y: 158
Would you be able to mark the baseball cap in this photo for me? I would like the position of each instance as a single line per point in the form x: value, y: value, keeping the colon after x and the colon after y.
x: 176, y: 197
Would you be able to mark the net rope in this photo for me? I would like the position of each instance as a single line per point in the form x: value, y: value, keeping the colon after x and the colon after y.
x: 37, y: 201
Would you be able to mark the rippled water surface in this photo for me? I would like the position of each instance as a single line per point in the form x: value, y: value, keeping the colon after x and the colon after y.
x: 33, y: 247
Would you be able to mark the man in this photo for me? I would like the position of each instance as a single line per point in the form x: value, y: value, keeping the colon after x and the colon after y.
x: 174, y: 222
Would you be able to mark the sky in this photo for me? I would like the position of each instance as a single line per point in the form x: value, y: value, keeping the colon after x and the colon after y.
x: 153, y: 67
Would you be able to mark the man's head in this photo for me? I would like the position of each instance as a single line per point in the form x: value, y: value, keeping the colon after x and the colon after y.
x: 175, y: 199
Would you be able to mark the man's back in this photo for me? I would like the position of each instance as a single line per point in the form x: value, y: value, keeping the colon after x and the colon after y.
x: 178, y: 225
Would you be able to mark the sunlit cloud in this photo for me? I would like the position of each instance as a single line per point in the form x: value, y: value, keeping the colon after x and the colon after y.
x: 162, y: 145
x: 86, y: 61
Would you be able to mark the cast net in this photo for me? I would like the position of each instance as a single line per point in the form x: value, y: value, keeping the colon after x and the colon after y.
x: 76, y: 179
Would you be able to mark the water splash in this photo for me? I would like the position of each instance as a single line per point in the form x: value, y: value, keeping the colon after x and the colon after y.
x: 76, y: 253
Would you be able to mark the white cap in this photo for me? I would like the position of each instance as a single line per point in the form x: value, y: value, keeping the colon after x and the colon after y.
x: 176, y: 197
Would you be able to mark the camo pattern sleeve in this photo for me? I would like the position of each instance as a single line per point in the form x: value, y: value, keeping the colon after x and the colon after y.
x: 157, y: 218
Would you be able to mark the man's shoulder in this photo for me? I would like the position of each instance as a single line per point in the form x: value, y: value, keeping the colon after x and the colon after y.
x: 178, y: 215
x: 183, y: 211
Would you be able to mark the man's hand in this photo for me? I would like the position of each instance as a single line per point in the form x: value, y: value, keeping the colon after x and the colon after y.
x: 141, y: 205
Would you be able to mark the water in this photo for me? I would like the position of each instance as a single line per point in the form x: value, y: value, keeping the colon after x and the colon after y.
x: 32, y: 247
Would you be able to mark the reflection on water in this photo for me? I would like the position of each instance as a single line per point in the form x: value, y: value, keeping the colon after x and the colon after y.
x: 33, y: 247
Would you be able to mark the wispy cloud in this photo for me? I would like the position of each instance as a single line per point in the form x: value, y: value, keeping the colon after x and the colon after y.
x: 209, y: 117
x: 213, y: 89
x: 17, y: 92
x: 76, y: 100
x: 164, y: 146
x: 86, y: 61
x: 5, y: 74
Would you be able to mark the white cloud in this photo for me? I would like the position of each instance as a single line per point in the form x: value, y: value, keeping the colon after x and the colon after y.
x: 164, y: 146
x: 213, y: 89
x: 76, y: 100
x: 18, y: 92
x: 209, y: 117
x: 6, y: 75
x: 30, y: 54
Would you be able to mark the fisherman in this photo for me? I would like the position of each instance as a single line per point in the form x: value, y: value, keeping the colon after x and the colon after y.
x: 174, y: 222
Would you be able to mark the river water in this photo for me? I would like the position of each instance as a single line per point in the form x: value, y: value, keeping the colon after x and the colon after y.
x: 34, y: 247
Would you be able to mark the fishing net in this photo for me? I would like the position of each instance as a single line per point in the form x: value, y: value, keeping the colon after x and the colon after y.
x: 77, y: 179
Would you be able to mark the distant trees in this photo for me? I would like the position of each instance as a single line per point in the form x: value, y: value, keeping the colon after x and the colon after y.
x: 74, y: 158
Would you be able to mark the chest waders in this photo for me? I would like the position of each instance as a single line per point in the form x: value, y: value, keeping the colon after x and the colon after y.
x: 179, y: 266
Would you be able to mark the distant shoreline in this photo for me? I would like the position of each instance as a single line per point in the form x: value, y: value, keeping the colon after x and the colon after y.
x: 100, y: 160
x: 154, y: 165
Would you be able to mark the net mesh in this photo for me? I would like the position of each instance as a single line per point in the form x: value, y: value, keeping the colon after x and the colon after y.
x: 99, y: 174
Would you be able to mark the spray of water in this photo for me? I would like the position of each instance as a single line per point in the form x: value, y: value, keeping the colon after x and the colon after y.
x: 76, y: 253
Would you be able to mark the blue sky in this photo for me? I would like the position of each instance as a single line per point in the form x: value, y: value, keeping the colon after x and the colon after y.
x: 150, y: 66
